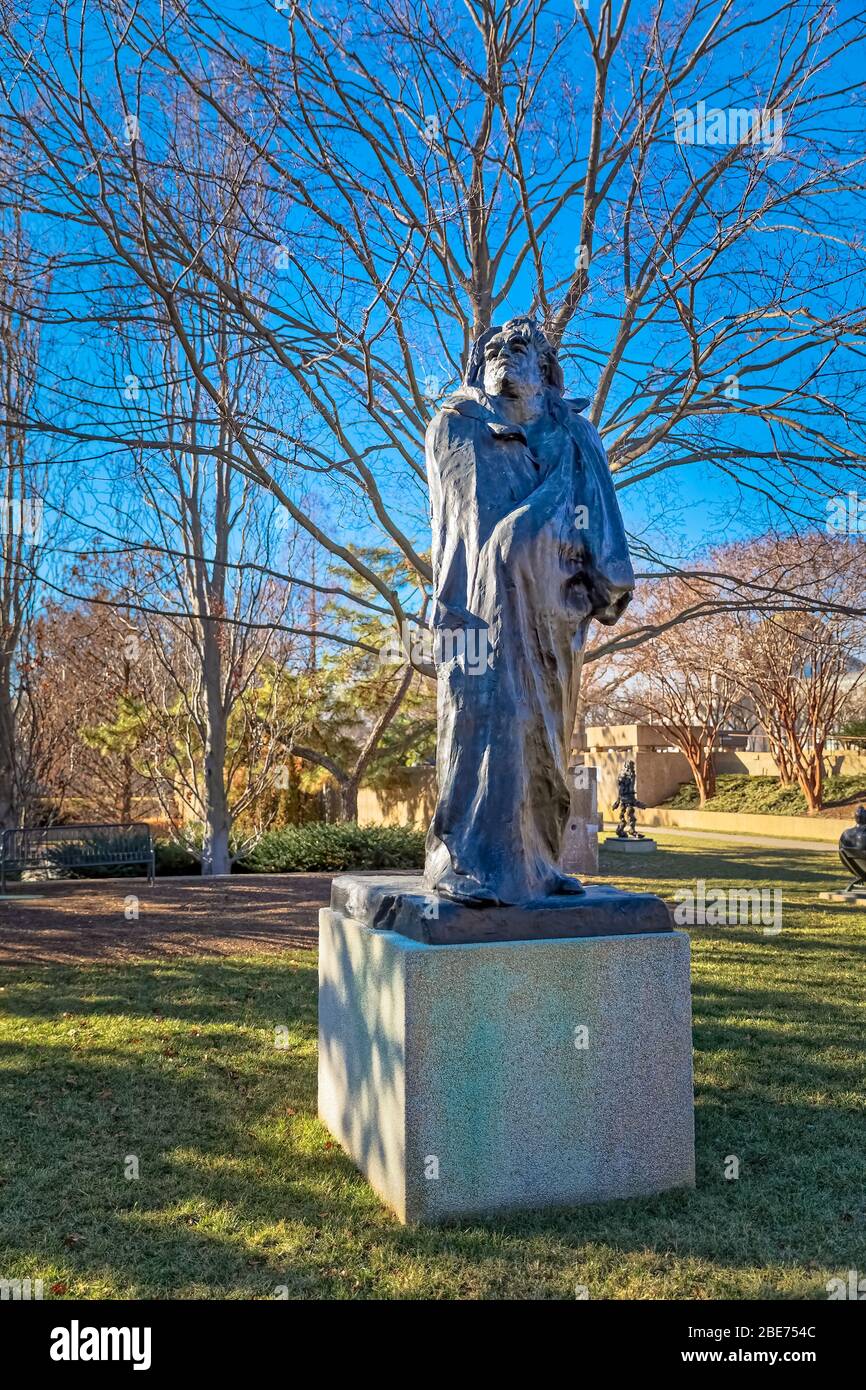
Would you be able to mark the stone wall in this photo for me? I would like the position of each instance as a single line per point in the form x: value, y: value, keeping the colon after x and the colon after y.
x: 412, y: 805
x: 810, y: 828
x: 658, y: 774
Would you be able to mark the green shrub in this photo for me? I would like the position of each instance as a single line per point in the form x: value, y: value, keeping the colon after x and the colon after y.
x: 320, y: 846
x: 739, y: 792
x: 172, y: 858
x: 292, y: 849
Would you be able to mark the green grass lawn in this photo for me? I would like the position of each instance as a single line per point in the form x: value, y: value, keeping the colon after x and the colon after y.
x: 240, y: 1191
x: 767, y: 795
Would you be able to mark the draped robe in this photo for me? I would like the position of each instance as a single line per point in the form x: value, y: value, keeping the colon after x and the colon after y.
x: 528, y: 547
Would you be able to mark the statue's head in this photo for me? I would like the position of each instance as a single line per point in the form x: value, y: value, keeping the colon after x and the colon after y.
x: 860, y: 815
x: 629, y: 767
x: 516, y: 359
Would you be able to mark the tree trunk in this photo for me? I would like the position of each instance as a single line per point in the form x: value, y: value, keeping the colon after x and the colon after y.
x: 215, y: 858
x: 8, y: 809
x: 126, y: 791
x: 705, y: 776
x: 349, y: 800
x: 781, y: 757
x: 703, y: 770
x: 811, y: 779
x: 347, y: 783
x: 349, y: 787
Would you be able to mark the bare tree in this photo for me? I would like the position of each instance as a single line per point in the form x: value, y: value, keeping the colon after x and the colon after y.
x: 683, y: 680
x: 79, y: 709
x: 23, y: 489
x: 409, y: 174
x: 208, y: 539
x: 801, y: 667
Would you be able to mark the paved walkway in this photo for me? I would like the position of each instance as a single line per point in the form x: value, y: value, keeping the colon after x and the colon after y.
x: 659, y: 832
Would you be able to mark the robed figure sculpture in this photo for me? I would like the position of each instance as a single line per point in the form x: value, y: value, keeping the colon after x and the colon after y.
x: 528, y: 547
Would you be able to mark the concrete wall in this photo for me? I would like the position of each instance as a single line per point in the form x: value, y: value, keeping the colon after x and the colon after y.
x: 729, y: 822
x: 412, y: 805
x: 844, y: 764
x: 733, y: 761
x: 658, y: 774
x: 626, y: 736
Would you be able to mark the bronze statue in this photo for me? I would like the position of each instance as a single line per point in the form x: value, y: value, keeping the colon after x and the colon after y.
x: 528, y: 548
x: 852, y: 849
x: 627, y: 803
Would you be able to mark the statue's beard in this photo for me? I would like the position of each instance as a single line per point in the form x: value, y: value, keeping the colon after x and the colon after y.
x: 514, y: 398
x: 514, y: 388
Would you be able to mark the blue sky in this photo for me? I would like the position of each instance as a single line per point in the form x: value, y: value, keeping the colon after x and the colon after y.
x: 806, y: 268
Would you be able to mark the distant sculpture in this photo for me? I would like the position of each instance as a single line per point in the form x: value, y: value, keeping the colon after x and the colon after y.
x: 852, y: 849
x: 627, y: 803
x: 528, y: 547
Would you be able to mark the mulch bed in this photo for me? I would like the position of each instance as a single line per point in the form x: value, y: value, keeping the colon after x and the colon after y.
x: 77, y: 920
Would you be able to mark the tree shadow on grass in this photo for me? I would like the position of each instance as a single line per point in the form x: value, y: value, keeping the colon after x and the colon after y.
x: 241, y: 1191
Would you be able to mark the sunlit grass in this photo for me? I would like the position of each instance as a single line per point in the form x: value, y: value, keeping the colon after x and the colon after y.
x: 241, y: 1193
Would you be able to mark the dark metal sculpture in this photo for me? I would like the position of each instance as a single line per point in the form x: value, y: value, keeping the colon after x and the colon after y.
x: 852, y: 849
x: 528, y: 548
x: 627, y: 803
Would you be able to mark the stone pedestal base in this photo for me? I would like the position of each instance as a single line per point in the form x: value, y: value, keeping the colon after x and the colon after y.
x: 628, y: 846
x: 580, y: 841
x: 473, y: 1079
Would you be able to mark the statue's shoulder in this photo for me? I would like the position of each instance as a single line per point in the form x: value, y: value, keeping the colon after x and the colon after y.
x: 576, y: 420
x: 457, y: 413
x: 585, y: 434
x: 467, y: 402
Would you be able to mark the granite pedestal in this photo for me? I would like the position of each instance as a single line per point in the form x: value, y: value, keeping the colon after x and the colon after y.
x: 491, y: 1076
x: 580, y: 841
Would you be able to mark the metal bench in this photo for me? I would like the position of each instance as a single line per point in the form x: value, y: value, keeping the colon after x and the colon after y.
x: 75, y: 847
